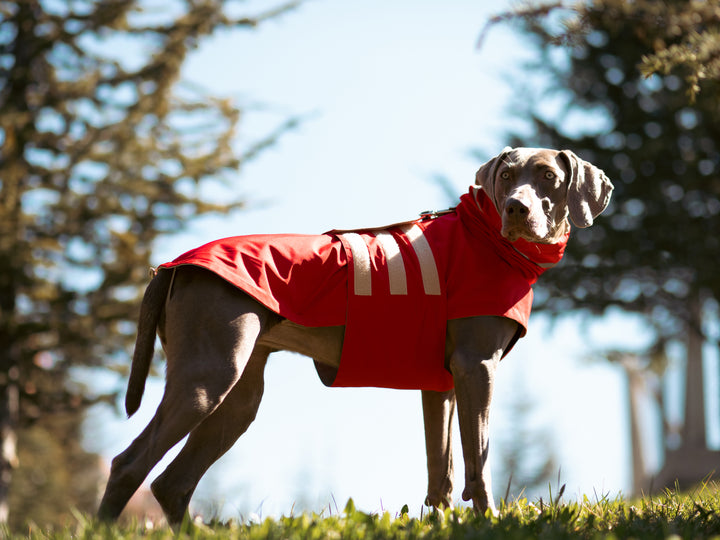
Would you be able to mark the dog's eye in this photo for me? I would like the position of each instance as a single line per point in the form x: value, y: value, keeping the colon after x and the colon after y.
x: 549, y: 175
x: 505, y: 175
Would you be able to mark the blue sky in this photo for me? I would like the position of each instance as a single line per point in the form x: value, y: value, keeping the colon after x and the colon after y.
x: 392, y: 93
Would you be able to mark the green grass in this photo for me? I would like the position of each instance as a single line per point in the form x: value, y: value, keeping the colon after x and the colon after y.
x: 694, y: 515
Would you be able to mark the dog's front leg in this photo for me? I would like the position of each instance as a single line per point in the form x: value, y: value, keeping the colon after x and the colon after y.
x: 438, y: 412
x: 476, y: 345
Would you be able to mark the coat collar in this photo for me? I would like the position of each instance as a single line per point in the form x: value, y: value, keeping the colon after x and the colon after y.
x: 480, y: 217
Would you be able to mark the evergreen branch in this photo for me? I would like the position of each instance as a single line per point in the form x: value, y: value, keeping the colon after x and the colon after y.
x: 526, y: 13
x: 270, y: 14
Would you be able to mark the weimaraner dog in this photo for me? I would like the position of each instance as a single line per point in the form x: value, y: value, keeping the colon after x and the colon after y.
x: 215, y: 369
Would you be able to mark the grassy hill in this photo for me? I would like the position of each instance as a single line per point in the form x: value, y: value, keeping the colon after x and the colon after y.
x: 670, y: 515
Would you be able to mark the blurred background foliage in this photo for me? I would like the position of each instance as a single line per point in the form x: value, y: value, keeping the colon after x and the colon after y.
x: 634, y: 88
x: 103, y: 150
x: 101, y: 156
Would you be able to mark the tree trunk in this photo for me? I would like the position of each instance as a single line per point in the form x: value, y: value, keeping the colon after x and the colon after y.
x: 693, y: 432
x: 692, y: 461
x: 635, y: 389
x: 9, y: 408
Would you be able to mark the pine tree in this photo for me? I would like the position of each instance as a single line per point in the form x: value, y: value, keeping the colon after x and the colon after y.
x: 102, y: 152
x: 639, y: 92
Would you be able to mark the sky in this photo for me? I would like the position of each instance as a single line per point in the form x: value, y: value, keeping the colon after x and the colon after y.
x: 391, y: 94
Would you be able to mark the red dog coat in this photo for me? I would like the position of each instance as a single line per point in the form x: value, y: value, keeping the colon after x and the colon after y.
x: 394, y: 288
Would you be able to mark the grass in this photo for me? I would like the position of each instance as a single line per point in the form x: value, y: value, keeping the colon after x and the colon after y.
x: 670, y: 515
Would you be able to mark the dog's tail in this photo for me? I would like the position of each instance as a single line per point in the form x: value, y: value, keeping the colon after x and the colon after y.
x: 150, y: 310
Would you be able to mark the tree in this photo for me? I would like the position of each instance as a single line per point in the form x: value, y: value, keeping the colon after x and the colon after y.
x: 54, y: 473
x: 658, y: 139
x: 103, y: 150
x: 686, y: 37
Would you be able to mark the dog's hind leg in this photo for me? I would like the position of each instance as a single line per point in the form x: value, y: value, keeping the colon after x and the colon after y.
x: 211, y: 439
x: 210, y: 329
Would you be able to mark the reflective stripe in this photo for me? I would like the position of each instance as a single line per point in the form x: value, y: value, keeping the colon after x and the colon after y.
x: 361, y: 263
x: 544, y: 266
x: 431, y: 280
x: 395, y: 265
x: 362, y: 268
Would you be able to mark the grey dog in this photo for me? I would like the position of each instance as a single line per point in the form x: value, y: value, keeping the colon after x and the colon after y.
x: 215, y: 370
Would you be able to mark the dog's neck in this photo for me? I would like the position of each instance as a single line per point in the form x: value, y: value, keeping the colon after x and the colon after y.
x: 482, y: 213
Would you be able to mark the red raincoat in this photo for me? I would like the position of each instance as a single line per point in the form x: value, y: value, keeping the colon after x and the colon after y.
x: 393, y: 288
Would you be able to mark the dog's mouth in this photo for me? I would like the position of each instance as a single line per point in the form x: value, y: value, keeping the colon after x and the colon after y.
x: 528, y: 230
x: 510, y: 235
x: 515, y: 234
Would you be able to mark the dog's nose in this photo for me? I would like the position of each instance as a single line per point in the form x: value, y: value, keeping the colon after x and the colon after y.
x: 516, y: 207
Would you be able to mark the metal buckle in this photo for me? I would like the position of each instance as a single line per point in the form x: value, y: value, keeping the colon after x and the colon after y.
x: 432, y: 214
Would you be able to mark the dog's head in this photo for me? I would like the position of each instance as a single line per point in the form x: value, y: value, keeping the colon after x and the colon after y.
x: 536, y: 191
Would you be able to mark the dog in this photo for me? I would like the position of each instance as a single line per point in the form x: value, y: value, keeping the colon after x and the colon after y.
x: 217, y: 334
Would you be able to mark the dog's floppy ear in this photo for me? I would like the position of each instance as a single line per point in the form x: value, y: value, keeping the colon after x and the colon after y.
x: 485, y: 177
x: 588, y: 191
